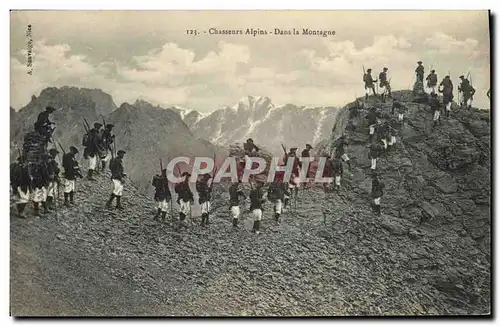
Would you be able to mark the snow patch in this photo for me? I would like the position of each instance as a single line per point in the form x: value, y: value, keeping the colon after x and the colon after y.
x: 321, y: 121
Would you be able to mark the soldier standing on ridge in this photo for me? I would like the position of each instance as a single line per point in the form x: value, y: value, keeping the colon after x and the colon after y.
x: 92, y: 149
x: 40, y: 181
x: 467, y: 91
x: 377, y: 193
x: 276, y: 194
x: 21, y: 182
x: 204, y: 194
x: 372, y: 120
x: 369, y: 83
x: 53, y: 169
x: 447, y: 90
x: 256, y: 202
x: 185, y: 197
x: 432, y: 80
x: 107, y: 139
x: 420, y: 72
x: 384, y: 83
x: 43, y: 124
x: 71, y: 171
x: 234, y: 201
x: 117, y: 176
x: 162, y: 194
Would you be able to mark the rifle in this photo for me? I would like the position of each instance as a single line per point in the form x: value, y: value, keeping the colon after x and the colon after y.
x: 103, y: 121
x: 161, y: 167
x: 62, y: 148
x: 86, y: 125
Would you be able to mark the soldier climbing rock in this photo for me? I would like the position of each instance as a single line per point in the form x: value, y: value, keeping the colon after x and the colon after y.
x: 376, y: 148
x: 467, y: 91
x: 107, y: 139
x: 436, y: 108
x: 204, y: 194
x: 294, y: 182
x: 306, y: 153
x: 162, y: 194
x: 446, y: 87
x: 256, y: 202
x: 392, y: 133
x: 276, y: 194
x: 21, y: 183
x: 250, y: 147
x: 420, y: 72
x: 338, y: 171
x: 377, y: 193
x: 71, y: 171
x: 327, y: 171
x: 185, y: 198
x: 384, y: 83
x: 369, y: 83
x: 235, y: 193
x: 432, y: 81
x: 54, y: 170
x: 371, y: 116
x: 117, y: 177
x: 401, y: 109
x: 382, y: 132
x: 340, y: 145
x: 91, y: 151
x: 40, y: 179
x: 43, y: 125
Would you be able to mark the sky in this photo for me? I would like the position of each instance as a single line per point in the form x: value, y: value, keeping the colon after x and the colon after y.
x: 150, y: 55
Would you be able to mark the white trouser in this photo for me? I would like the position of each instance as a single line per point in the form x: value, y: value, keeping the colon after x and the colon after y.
x: 24, y: 197
x: 69, y: 186
x: 117, y: 187
x: 385, y: 142
x: 400, y: 116
x: 185, y: 207
x: 432, y: 89
x: 374, y: 163
x: 372, y: 129
x: 376, y: 201
x: 345, y: 157
x: 257, y: 214
x: 51, y: 189
x: 92, y: 162
x: 436, y: 115
x: 235, y: 211
x: 296, y: 183
x: 278, y: 206
x: 337, y: 180
x: 205, y: 207
x: 163, y: 205
x: 392, y: 141
x: 40, y: 195
x: 107, y: 157
x: 448, y: 106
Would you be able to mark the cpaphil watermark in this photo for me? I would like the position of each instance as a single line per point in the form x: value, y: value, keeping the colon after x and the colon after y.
x: 310, y: 170
x: 29, y: 48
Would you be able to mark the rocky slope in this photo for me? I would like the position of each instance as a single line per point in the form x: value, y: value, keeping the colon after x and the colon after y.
x: 268, y: 125
x: 428, y: 253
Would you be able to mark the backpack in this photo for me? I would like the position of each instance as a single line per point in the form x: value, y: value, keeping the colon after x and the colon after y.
x: 112, y: 164
x: 364, y: 77
x: 85, y: 140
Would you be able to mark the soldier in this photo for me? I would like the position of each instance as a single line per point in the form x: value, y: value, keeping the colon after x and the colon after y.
x: 401, y: 108
x: 204, y: 194
x: 162, y: 194
x: 436, y: 108
x: 276, y: 194
x: 467, y: 91
x: 250, y: 147
x: 340, y: 150
x: 256, y: 202
x: 372, y: 121
x: 54, y: 170
x: 43, y: 124
x: 420, y: 72
x: 392, y: 133
x: 306, y: 153
x: 327, y: 172
x: 295, y: 180
x: 21, y: 182
x: 377, y: 193
x: 185, y: 197
x: 71, y: 171
x: 376, y: 149
x: 338, y: 170
x: 117, y: 176
x: 447, y: 90
x: 384, y: 83
x: 40, y: 181
x: 382, y: 131
x: 107, y: 139
x: 234, y: 201
x: 432, y: 81
x: 369, y: 83
x: 91, y: 151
